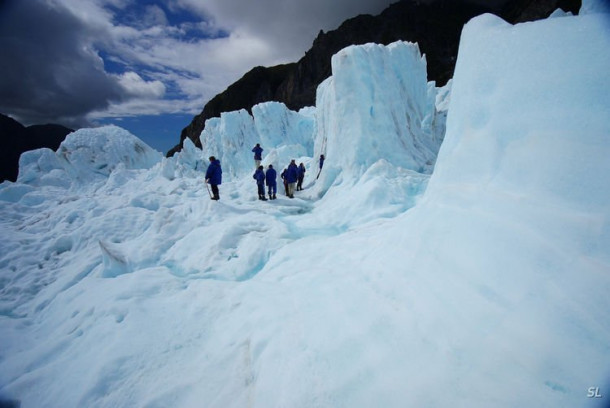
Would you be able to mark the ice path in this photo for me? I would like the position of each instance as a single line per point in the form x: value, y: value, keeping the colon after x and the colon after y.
x: 245, y: 231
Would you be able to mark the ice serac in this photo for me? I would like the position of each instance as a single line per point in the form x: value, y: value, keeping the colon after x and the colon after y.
x: 86, y: 155
x: 379, y: 123
x: 283, y: 134
x: 377, y: 105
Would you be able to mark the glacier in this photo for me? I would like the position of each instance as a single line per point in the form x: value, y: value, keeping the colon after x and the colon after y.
x: 453, y: 251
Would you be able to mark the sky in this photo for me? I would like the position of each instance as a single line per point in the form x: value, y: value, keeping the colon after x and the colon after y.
x: 148, y: 66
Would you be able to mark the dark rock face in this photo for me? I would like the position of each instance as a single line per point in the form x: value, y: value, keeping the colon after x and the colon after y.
x: 17, y: 139
x: 435, y: 27
x: 520, y: 11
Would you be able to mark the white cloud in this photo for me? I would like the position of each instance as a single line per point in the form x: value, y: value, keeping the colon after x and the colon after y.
x: 143, y: 106
x: 134, y: 85
x: 287, y: 26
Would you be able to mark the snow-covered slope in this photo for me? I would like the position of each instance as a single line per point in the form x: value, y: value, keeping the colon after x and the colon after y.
x: 122, y: 284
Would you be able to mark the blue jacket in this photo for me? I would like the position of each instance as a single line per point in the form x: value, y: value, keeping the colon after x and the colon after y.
x: 259, y: 175
x: 258, y: 151
x: 322, y: 161
x: 214, y: 172
x: 270, y: 177
x: 301, y: 171
x: 291, y: 173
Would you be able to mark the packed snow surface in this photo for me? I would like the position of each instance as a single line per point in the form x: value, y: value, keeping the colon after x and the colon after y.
x: 478, y: 278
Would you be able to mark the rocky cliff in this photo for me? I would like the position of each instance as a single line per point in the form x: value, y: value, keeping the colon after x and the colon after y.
x: 17, y: 139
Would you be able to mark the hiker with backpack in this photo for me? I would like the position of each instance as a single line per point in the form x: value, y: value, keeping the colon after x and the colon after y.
x: 213, y: 176
x: 259, y: 176
x: 258, y: 155
x: 300, y: 176
x: 270, y: 178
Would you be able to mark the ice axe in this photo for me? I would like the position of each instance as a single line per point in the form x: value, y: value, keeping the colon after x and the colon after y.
x: 208, y: 188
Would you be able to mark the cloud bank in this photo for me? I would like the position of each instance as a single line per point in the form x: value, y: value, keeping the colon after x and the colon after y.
x: 78, y: 61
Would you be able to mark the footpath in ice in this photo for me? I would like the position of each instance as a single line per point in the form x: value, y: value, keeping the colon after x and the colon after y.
x: 473, y: 276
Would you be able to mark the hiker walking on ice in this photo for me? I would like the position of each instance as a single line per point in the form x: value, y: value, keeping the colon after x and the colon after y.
x: 213, y: 176
x: 300, y: 176
x: 259, y: 176
x: 321, y: 164
x: 283, y: 176
x: 270, y: 178
x: 291, y: 178
x: 258, y: 155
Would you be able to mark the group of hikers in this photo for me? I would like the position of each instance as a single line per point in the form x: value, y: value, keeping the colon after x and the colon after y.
x: 292, y: 176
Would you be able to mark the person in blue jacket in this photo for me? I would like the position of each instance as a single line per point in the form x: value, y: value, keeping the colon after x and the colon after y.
x: 321, y: 165
x: 259, y: 176
x: 300, y: 176
x: 213, y: 176
x: 258, y: 155
x: 291, y: 177
x: 270, y: 178
x: 283, y: 176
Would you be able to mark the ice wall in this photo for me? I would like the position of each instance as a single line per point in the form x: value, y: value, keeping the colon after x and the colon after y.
x: 377, y: 105
x: 283, y: 134
x: 379, y: 124
x: 550, y: 143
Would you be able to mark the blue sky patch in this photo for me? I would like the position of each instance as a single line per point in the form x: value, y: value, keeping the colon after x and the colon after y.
x: 161, y: 132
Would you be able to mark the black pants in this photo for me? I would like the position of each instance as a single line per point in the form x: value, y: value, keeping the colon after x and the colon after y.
x: 261, y: 190
x: 272, y: 189
x: 215, y: 191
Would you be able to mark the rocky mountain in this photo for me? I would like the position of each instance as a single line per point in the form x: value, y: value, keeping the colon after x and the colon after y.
x: 17, y: 139
x: 436, y: 27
